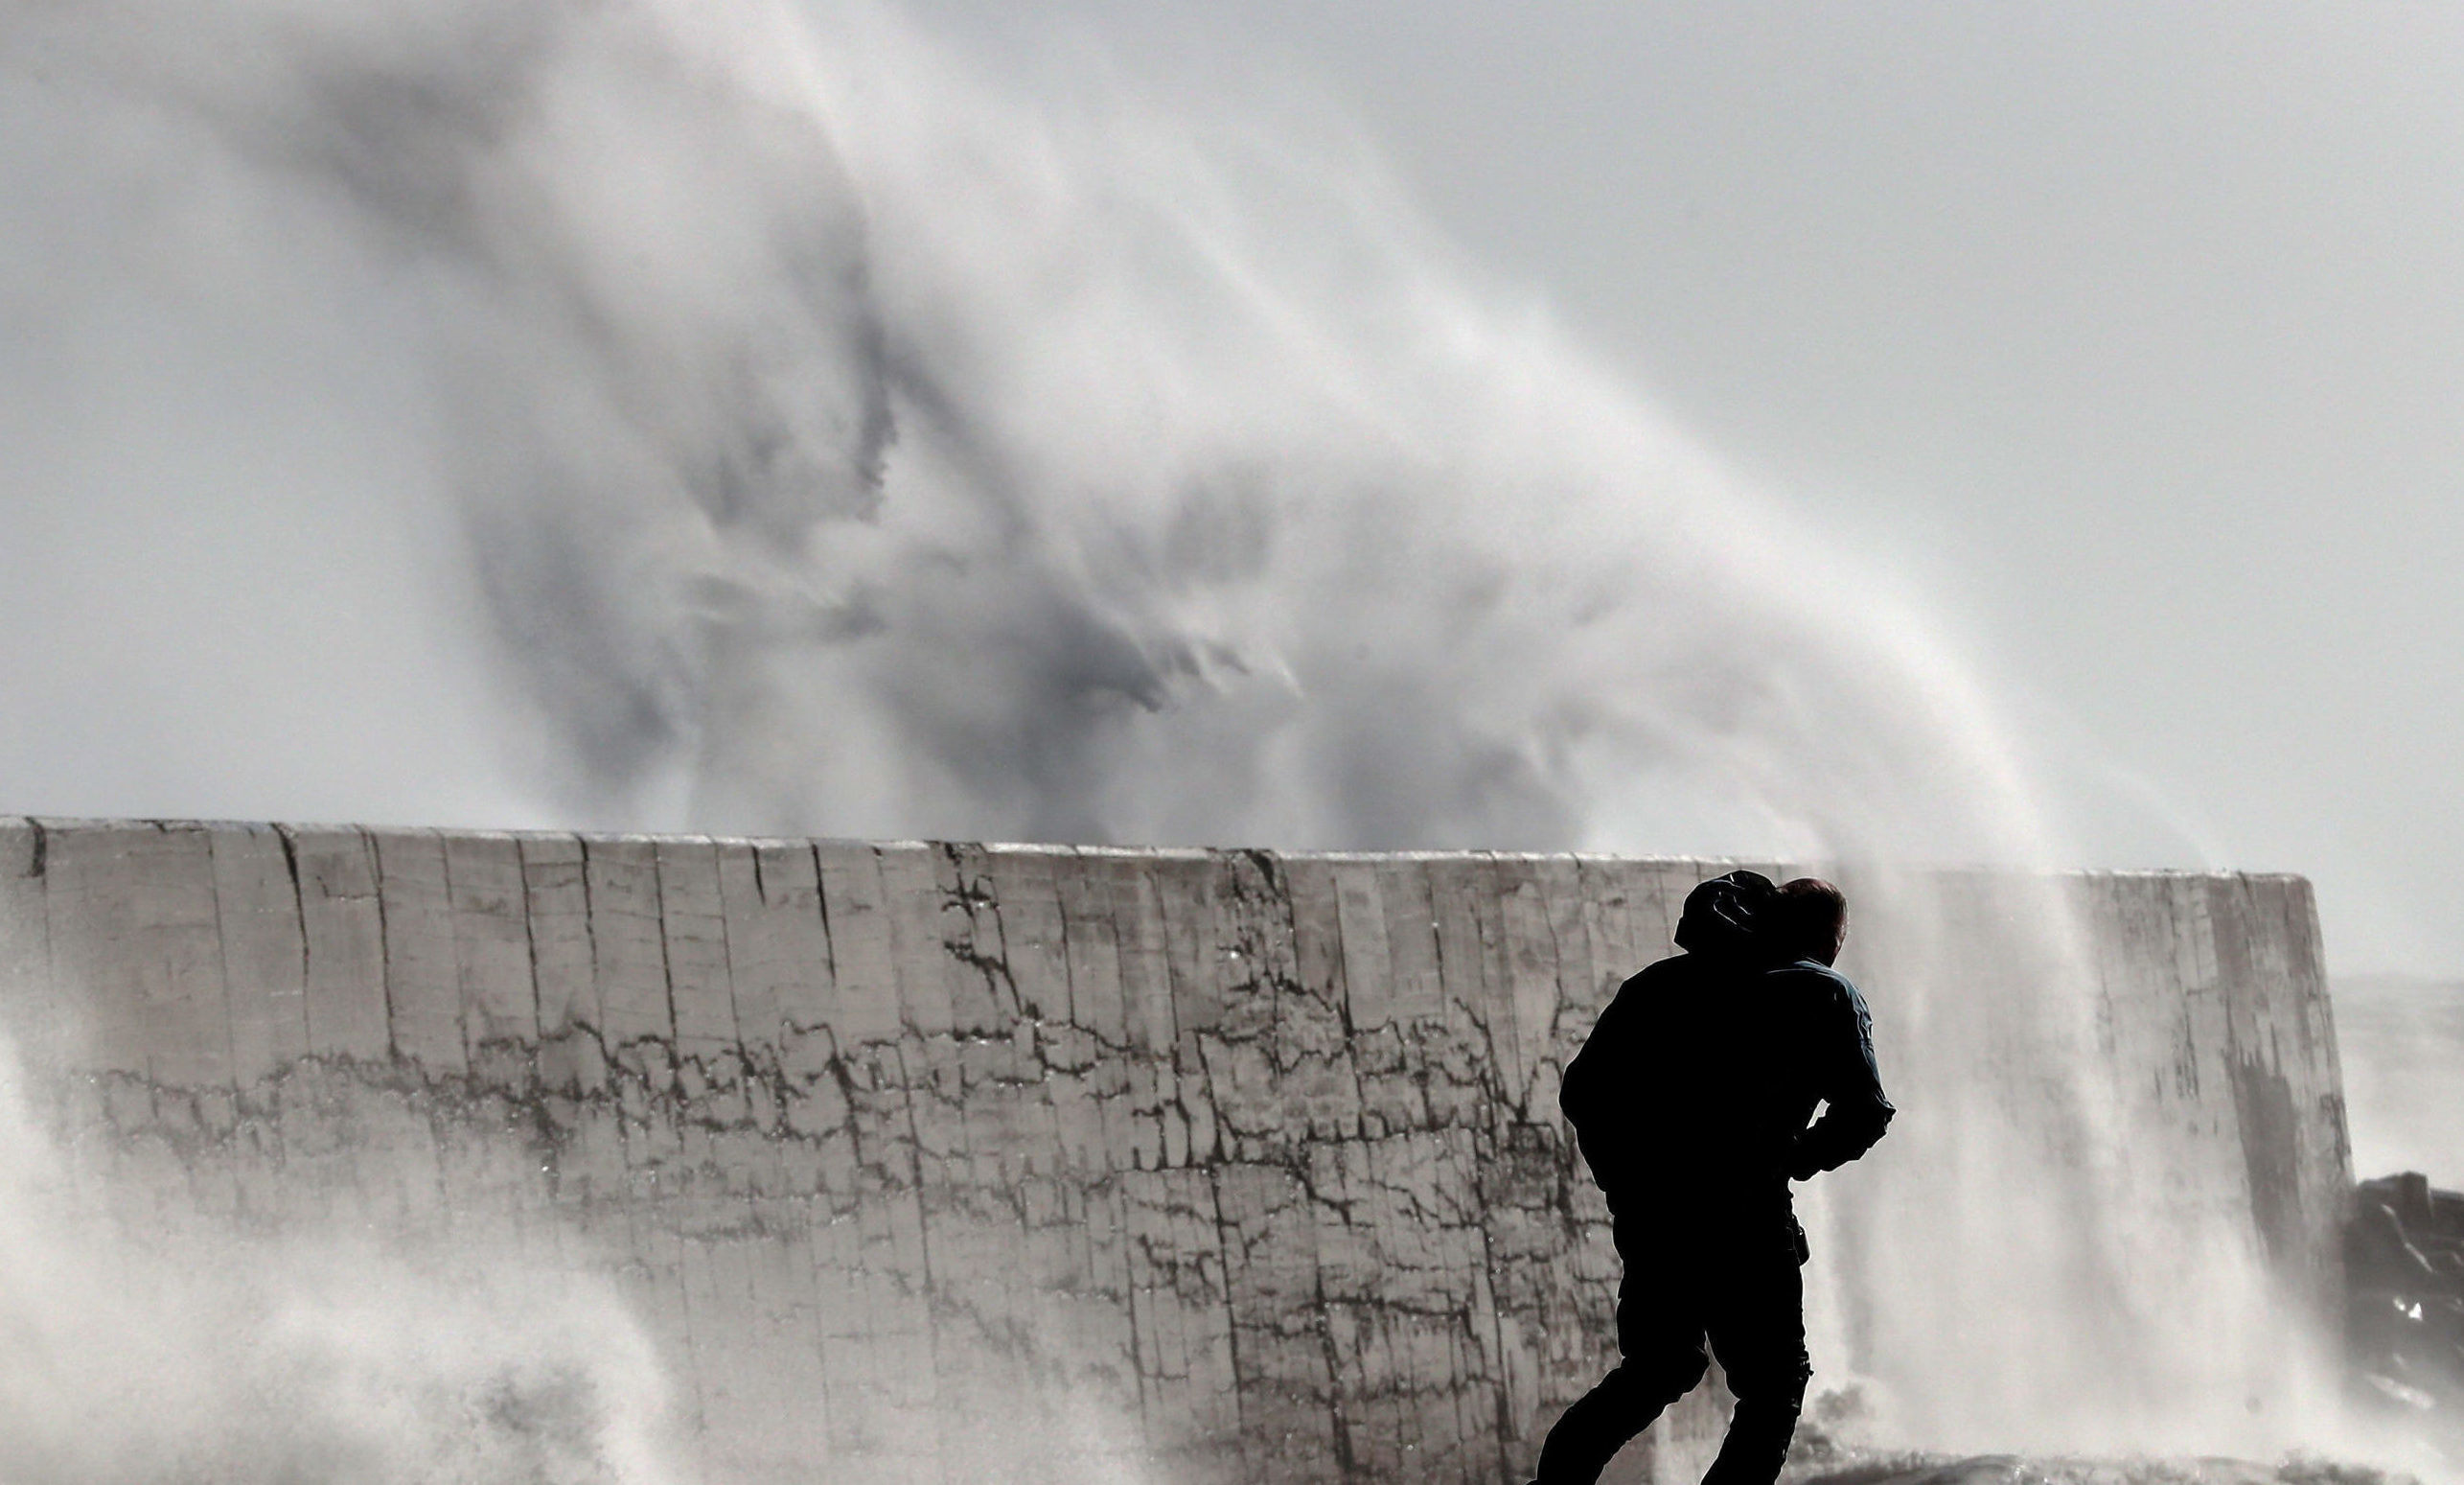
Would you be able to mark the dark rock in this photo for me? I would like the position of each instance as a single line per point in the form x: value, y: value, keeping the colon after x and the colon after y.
x: 2403, y: 1258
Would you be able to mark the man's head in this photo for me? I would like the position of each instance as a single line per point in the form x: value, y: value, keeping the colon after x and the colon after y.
x: 1809, y: 919
x: 1727, y: 916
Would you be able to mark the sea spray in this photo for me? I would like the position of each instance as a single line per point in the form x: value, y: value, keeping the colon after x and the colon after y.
x: 148, y: 1342
x: 849, y: 446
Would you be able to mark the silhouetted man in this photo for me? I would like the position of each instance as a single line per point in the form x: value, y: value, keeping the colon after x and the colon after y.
x: 1691, y: 1103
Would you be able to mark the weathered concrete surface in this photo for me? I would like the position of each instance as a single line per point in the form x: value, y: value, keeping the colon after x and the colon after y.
x: 2216, y: 1023
x: 1219, y: 1165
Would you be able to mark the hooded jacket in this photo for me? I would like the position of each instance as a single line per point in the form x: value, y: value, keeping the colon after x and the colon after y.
x: 1699, y: 1079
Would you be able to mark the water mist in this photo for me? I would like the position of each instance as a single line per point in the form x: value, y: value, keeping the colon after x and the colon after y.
x: 147, y: 1343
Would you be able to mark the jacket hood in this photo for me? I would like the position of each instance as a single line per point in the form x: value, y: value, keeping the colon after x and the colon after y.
x: 1724, y: 916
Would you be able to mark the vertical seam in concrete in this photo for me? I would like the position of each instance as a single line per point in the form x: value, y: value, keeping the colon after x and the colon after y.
x: 1232, y: 1319
x: 1503, y: 1391
x: 930, y: 1298
x: 454, y: 944
x: 1117, y: 1190
x: 666, y: 962
x: 591, y: 941
x: 991, y: 901
x: 530, y: 950
x: 1346, y: 1465
x: 55, y: 1004
x: 829, y: 944
x: 745, y: 1068
x: 222, y: 961
x: 155, y: 1082
x: 51, y: 939
x: 1540, y: 1056
x: 836, y: 1068
x: 727, y: 947
x: 1060, y: 922
x: 384, y: 938
x: 908, y: 1091
x: 701, y: 1444
x: 299, y: 906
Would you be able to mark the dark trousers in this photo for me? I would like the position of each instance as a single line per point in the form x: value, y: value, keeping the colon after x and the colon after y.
x: 1736, y: 1287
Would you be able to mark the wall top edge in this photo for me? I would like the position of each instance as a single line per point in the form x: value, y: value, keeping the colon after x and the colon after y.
x: 50, y: 825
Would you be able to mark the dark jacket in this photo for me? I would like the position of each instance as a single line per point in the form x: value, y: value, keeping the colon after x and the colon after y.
x: 1699, y: 1078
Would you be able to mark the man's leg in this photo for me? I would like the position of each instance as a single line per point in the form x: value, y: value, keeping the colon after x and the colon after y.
x: 1758, y: 1330
x: 1660, y: 1331
x: 1606, y: 1419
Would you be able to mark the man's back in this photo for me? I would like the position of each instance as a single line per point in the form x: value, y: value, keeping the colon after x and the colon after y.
x: 1702, y: 1073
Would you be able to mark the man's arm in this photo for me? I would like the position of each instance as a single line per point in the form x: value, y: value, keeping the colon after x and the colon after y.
x: 1584, y: 1088
x: 1597, y: 1088
x: 1856, y: 1113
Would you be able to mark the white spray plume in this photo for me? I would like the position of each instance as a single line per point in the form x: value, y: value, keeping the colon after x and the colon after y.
x: 142, y: 1347
x: 845, y: 447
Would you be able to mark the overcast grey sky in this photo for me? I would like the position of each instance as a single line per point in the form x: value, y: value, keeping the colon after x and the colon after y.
x: 2132, y: 332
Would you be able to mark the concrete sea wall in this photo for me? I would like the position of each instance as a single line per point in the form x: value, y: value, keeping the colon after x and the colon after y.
x: 1189, y: 1165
